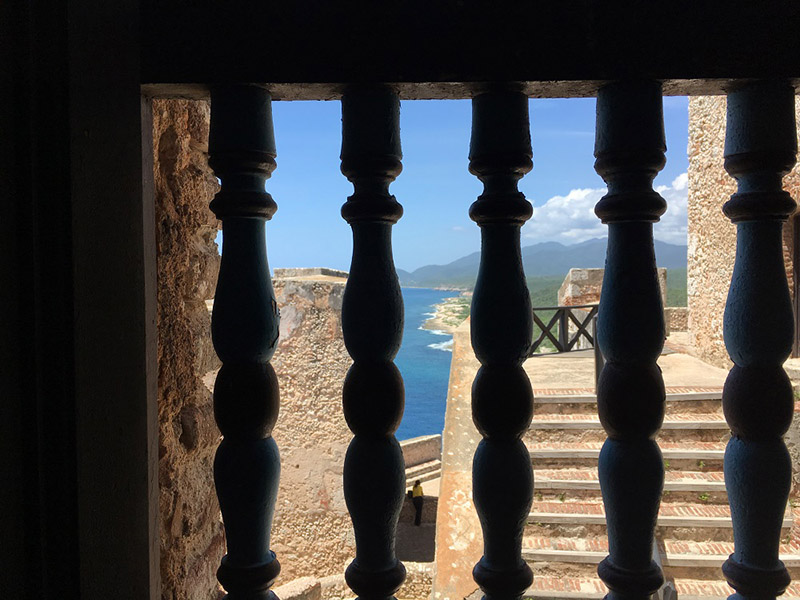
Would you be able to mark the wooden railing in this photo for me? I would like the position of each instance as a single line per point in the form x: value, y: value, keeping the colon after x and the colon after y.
x: 557, y: 331
x: 557, y: 328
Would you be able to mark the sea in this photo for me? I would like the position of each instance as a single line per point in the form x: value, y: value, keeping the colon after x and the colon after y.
x: 424, y: 361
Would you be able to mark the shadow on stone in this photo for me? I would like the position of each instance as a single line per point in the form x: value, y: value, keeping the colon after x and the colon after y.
x: 417, y: 543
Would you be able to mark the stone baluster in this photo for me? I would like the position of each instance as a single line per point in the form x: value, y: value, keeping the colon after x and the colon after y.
x: 629, y: 149
x: 372, y: 324
x: 760, y: 147
x: 502, y: 322
x: 244, y: 329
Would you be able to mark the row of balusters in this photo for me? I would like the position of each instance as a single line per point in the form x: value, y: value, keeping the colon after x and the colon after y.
x: 630, y: 150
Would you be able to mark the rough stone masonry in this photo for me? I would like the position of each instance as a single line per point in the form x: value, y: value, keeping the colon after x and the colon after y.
x: 711, y: 236
x: 192, y: 539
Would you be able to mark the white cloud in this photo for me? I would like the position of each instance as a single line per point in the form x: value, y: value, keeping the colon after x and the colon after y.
x: 672, y: 227
x: 457, y: 228
x: 570, y: 219
x: 681, y: 182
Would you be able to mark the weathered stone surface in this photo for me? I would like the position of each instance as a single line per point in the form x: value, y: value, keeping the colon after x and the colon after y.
x: 676, y: 318
x: 304, y: 588
x: 419, y: 579
x: 459, y: 540
x: 192, y: 539
x: 792, y: 439
x: 712, y: 237
x: 420, y: 450
x: 312, y: 532
x: 417, y: 585
x: 583, y: 286
x: 312, y: 272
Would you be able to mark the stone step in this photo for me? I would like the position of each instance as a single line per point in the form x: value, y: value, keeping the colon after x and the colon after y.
x: 549, y: 587
x: 424, y: 472
x: 586, y: 479
x: 684, y: 515
x: 581, y: 428
x: 678, y: 553
x: 585, y: 422
x: 547, y: 451
x: 580, y: 396
x: 670, y: 514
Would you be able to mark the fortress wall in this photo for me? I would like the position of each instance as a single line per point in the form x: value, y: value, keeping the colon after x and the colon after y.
x: 712, y: 237
x: 312, y: 532
x: 191, y: 536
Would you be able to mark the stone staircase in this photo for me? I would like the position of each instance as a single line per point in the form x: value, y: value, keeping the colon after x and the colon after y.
x: 423, y: 458
x: 426, y: 471
x: 565, y: 537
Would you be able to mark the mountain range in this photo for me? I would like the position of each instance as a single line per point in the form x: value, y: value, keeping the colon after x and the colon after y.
x: 544, y: 259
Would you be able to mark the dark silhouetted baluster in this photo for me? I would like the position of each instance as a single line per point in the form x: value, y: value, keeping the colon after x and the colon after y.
x: 629, y: 149
x: 372, y: 323
x: 245, y: 333
x: 502, y: 400
x: 760, y: 147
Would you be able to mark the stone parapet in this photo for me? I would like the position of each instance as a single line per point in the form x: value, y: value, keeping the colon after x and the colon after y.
x: 677, y: 318
x: 312, y: 533
x: 421, y: 449
x: 459, y: 539
x: 311, y: 273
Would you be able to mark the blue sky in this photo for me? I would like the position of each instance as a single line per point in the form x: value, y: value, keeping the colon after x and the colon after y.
x: 435, y: 187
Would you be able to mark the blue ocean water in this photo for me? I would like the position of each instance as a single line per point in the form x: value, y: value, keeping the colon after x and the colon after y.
x: 424, y: 361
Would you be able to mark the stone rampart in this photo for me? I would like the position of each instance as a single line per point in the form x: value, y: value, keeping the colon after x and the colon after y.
x: 309, y: 272
x: 311, y: 533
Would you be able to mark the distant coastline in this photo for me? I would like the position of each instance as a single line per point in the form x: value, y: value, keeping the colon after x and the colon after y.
x: 441, y: 288
x: 449, y: 314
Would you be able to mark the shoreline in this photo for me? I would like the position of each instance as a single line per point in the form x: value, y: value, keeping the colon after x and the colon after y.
x: 448, y: 314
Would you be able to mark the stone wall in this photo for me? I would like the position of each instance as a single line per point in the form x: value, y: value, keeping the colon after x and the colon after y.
x: 308, y: 273
x: 676, y: 318
x: 417, y: 585
x: 583, y: 286
x: 711, y: 236
x: 192, y: 539
x: 422, y: 449
x: 459, y: 539
x: 312, y: 532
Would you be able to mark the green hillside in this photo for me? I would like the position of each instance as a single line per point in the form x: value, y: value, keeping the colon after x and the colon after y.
x: 544, y: 290
x: 676, y: 287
